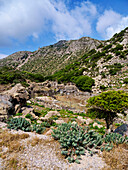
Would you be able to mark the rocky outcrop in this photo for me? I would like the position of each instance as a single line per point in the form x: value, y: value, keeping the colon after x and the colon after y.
x: 6, y: 106
x: 12, y: 100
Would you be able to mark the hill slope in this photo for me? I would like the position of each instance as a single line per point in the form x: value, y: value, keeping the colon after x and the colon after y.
x: 49, y: 59
x: 105, y: 61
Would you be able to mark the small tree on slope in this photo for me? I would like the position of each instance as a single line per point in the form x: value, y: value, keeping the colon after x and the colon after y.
x: 107, y: 105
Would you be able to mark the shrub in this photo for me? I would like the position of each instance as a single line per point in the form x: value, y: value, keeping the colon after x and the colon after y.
x: 84, y: 83
x: 125, y: 80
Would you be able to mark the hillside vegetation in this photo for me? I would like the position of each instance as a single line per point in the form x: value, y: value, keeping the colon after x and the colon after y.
x: 87, y: 62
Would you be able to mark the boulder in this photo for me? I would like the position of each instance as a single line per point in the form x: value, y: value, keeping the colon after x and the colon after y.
x: 12, y: 100
x: 27, y: 110
x: 6, y: 107
x: 50, y: 114
x: 19, y: 94
x: 123, y: 129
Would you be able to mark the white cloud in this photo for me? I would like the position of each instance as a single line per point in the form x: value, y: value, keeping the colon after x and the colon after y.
x: 3, y: 56
x: 20, y: 19
x: 110, y: 23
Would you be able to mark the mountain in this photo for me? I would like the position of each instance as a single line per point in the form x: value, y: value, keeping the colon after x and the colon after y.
x: 104, y: 61
x: 49, y: 59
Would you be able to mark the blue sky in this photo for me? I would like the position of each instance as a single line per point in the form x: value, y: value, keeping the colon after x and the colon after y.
x: 30, y: 24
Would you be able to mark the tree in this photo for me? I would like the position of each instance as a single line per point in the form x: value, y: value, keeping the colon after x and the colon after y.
x: 107, y: 105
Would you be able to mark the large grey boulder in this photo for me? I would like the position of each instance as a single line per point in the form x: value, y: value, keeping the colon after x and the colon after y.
x: 12, y: 100
x: 6, y: 106
x: 123, y: 129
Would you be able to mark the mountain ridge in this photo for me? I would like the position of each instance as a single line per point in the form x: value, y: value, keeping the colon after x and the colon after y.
x: 60, y: 52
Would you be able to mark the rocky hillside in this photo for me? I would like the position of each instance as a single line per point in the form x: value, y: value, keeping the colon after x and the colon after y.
x: 105, y: 61
x: 107, y: 65
x: 51, y: 58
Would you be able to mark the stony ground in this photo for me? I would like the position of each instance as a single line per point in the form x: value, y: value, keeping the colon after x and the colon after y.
x: 42, y: 152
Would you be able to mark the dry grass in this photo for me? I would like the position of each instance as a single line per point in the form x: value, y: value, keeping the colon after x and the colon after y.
x: 34, y: 141
x: 117, y: 158
x: 12, y: 145
x: 6, y: 138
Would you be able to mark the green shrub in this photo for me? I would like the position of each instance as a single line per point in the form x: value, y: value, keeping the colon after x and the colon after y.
x: 125, y: 80
x: 29, y: 116
x: 19, y: 114
x: 84, y: 83
x: 107, y: 47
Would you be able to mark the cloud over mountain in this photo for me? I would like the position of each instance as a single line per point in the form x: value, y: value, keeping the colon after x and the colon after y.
x: 110, y: 23
x: 22, y: 19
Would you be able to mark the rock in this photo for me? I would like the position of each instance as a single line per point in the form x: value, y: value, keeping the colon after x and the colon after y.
x: 18, y: 93
x: 27, y: 110
x: 44, y: 99
x: 12, y: 100
x: 49, y: 132
x: 17, y: 108
x: 123, y: 129
x: 6, y: 107
x: 50, y: 114
x: 88, y: 121
x: 29, y: 102
x: 39, y: 121
x: 59, y: 121
x: 96, y: 124
x: 80, y: 118
x: 74, y: 122
x: 28, y: 120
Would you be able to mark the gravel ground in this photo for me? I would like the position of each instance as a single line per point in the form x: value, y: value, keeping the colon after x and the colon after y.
x: 46, y: 155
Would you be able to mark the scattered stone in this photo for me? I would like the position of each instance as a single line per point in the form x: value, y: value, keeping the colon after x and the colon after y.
x: 123, y: 129
x: 59, y: 121
x: 39, y: 121
x: 80, y: 118
x: 50, y: 114
x: 88, y: 121
x: 74, y: 122
x: 96, y: 124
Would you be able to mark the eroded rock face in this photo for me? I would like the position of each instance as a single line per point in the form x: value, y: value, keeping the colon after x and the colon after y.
x: 6, y: 106
x: 12, y: 100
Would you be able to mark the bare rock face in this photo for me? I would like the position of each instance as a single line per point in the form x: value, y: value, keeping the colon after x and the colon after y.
x: 6, y: 107
x: 12, y: 100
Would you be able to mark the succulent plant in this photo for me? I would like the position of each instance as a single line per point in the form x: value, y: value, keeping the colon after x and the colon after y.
x: 18, y: 123
x: 75, y: 139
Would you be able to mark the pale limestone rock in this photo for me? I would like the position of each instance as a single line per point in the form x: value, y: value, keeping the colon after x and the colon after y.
x: 96, y: 124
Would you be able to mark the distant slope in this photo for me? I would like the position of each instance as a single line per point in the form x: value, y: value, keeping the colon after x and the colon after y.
x: 66, y: 61
x: 47, y: 60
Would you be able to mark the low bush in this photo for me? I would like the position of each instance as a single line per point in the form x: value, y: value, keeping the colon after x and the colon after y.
x: 84, y: 83
x: 125, y: 80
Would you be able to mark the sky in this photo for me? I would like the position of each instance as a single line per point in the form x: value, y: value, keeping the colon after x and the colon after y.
x: 26, y: 25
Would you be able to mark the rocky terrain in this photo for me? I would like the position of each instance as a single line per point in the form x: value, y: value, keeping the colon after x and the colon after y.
x: 49, y: 59
x: 44, y: 105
